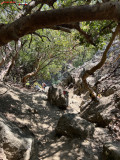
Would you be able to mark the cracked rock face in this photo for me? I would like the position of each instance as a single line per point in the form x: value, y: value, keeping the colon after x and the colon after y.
x: 67, y: 79
x: 71, y: 125
x: 100, y: 113
x: 14, y: 145
x: 56, y: 96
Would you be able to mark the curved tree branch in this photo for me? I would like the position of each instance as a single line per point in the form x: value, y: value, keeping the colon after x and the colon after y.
x: 17, y: 49
x: 76, y: 26
x: 87, y: 73
x: 28, y: 8
x: 64, y: 29
x: 46, y: 19
x: 41, y: 36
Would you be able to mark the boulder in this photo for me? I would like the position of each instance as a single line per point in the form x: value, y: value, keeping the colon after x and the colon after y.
x: 14, y: 144
x: 58, y: 97
x: 109, y: 91
x: 79, y: 87
x: 67, y: 79
x: 111, y: 151
x: 100, y: 112
x: 73, y: 126
x: 107, y: 87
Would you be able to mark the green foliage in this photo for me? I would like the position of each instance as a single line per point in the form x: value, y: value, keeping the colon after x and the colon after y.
x: 85, y: 55
x: 54, y: 52
x: 56, y: 48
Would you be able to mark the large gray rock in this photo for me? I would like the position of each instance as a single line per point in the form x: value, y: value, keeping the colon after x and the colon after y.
x: 71, y: 125
x: 100, y: 112
x: 79, y: 87
x: 56, y: 97
x: 111, y: 151
x: 67, y: 79
x: 110, y: 91
x: 14, y: 145
x: 107, y: 86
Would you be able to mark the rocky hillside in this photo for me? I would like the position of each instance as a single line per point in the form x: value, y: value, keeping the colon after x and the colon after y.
x: 64, y: 124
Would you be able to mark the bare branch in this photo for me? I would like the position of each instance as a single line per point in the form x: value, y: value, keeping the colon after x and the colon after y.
x: 50, y: 18
x: 41, y: 36
x: 64, y: 29
x: 48, y: 64
x: 23, y: 43
x: 40, y: 7
x: 34, y: 3
x: 102, y: 30
x: 67, y: 27
x: 88, y: 1
x: 107, y: 26
x: 86, y: 36
x: 17, y: 49
x: 100, y: 64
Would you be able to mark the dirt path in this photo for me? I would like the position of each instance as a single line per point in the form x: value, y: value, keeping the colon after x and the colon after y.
x: 32, y: 111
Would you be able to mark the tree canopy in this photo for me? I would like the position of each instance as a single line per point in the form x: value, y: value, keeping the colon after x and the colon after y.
x: 37, y: 15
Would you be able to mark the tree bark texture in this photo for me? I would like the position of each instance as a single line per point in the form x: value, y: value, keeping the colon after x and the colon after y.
x: 100, y: 64
x: 45, y: 19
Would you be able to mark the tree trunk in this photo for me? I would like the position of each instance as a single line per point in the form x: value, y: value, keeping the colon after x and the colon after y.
x: 34, y: 73
x: 4, y: 72
x: 99, y: 65
x: 11, y: 63
x: 47, y: 19
x: 29, y: 75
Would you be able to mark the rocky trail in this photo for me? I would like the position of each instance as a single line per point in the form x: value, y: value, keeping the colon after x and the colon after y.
x: 32, y: 113
x: 32, y: 128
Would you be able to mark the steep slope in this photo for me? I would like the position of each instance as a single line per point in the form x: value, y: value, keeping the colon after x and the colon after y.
x: 36, y: 118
